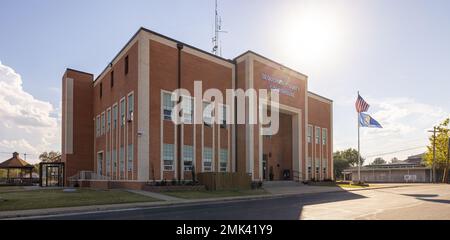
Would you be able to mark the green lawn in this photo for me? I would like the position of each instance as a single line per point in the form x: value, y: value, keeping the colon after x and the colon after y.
x: 342, y: 185
x: 38, y: 199
x: 214, y: 194
x: 4, y: 189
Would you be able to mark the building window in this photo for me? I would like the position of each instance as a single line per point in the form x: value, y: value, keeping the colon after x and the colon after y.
x: 130, y: 107
x: 108, y: 164
x: 207, y: 159
x: 130, y: 158
x: 188, y: 157
x: 114, y: 162
x: 223, y: 117
x: 208, y: 113
x: 97, y: 126
x: 310, y: 132
x: 126, y: 65
x: 317, y: 135
x: 324, y: 136
x: 103, y: 124
x: 108, y: 120
x: 101, y: 90
x: 112, y: 79
x: 122, y: 112
x: 115, y: 116
x: 223, y: 160
x: 100, y: 163
x: 188, y: 106
x: 168, y: 156
x: 122, y: 161
x: 167, y: 106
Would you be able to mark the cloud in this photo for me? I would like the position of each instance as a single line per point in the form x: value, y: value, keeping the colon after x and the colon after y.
x: 28, y: 125
x: 405, y: 124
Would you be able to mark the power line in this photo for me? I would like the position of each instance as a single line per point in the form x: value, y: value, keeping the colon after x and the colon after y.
x: 10, y: 153
x: 388, y: 153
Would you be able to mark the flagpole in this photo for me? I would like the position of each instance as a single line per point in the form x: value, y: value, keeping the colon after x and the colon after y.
x: 359, y: 149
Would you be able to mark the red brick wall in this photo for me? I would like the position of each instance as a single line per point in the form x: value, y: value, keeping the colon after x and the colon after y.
x: 123, y: 85
x: 83, y: 128
x: 164, y: 76
x: 319, y: 115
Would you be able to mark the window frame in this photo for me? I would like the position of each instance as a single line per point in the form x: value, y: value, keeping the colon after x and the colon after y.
x: 108, y: 119
x: 310, y: 133
x: 191, y: 113
x: 324, y: 136
x: 101, y: 90
x: 317, y: 135
x: 211, y: 116
x: 224, y: 109
x: 169, y: 109
x: 115, y: 115
x: 122, y: 161
x: 221, y: 160
x: 122, y: 112
x: 127, y: 65
x: 100, y: 169
x: 112, y: 79
x: 130, y: 157
x: 103, y: 124
x: 108, y: 163
x: 188, y: 158
x: 97, y: 126
x: 171, y: 151
x: 130, y: 114
x: 207, y: 160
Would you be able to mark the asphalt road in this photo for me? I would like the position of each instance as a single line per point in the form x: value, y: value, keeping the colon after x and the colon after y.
x: 412, y: 202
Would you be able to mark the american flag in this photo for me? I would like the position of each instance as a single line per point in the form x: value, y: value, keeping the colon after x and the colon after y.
x: 361, y: 105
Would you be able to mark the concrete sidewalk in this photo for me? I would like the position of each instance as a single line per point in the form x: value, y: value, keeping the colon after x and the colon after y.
x: 274, y: 192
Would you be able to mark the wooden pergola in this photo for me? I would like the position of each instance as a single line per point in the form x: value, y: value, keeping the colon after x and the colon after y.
x: 18, y: 164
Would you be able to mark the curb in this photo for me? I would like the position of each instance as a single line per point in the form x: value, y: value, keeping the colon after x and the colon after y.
x: 36, y: 213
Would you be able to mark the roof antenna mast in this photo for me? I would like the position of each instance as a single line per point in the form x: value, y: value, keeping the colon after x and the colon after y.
x: 217, y: 50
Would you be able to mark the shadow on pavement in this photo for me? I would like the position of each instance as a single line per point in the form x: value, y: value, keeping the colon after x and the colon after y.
x: 284, y: 208
x: 445, y: 201
x: 421, y: 195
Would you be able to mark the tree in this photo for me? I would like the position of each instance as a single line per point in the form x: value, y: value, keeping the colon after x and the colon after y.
x: 50, y: 156
x: 379, y: 161
x: 339, y: 166
x: 345, y: 159
x: 395, y: 160
x: 351, y: 155
x: 442, y: 136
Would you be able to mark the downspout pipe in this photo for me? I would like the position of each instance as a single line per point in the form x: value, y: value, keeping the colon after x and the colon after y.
x: 179, y: 155
x: 236, y: 145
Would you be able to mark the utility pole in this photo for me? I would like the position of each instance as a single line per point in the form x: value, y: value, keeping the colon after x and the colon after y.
x: 434, y: 154
x: 435, y: 131
x: 448, y: 162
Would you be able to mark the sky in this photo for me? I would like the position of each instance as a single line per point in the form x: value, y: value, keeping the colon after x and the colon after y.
x: 396, y: 53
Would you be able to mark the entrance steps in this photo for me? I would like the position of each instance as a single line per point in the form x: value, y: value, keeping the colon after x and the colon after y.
x: 271, y: 184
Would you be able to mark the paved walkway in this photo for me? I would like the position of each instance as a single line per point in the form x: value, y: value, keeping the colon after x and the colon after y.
x: 295, y: 188
x: 158, y: 196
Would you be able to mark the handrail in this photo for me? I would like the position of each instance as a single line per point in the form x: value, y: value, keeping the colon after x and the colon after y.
x: 88, y: 175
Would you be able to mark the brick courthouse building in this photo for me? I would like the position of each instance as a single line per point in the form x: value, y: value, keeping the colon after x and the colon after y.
x: 118, y: 125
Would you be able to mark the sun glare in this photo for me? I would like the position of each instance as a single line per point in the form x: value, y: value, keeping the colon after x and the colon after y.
x: 311, y: 33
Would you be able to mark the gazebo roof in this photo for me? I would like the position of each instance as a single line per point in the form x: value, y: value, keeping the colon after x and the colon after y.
x: 15, y: 162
